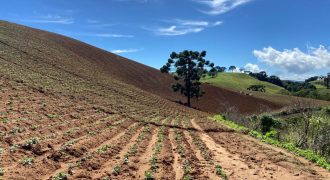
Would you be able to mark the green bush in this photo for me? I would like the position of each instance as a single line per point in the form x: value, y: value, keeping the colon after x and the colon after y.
x: 266, y: 123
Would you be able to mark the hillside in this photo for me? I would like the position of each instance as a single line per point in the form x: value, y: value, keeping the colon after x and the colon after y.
x: 322, y: 89
x: 240, y: 82
x: 74, y: 111
x: 45, y: 59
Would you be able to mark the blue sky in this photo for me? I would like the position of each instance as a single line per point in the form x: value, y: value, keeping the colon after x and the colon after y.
x: 288, y: 38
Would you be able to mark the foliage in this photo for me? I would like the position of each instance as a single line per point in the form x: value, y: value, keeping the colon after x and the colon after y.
x: 188, y: 70
x: 220, y: 69
x: 27, y: 161
x: 314, y: 78
x: 61, y: 176
x: 232, y: 68
x: 266, y: 123
x: 148, y: 175
x: 308, y: 154
x: 260, y: 88
x: 220, y: 172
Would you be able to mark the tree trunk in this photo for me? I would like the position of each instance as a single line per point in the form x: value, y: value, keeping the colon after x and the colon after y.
x: 188, y: 102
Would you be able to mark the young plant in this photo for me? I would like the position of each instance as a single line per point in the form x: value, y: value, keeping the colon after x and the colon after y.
x: 116, y: 170
x: 61, y: 176
x: 27, y: 161
x: 13, y: 148
x: 126, y: 160
x: 220, y: 172
x: 148, y: 175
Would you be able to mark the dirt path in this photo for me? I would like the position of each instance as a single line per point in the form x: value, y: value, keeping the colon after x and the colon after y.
x: 237, y: 166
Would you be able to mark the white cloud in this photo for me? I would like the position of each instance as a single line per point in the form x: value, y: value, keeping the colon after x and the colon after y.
x: 221, y: 6
x: 120, y: 51
x: 237, y: 70
x: 175, y: 31
x: 105, y: 35
x: 182, y: 27
x: 51, y: 19
x: 252, y: 67
x: 296, y: 61
x: 294, y: 64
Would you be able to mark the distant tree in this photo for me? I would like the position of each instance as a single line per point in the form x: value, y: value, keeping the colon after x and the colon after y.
x: 327, y: 81
x: 314, y: 78
x: 188, y: 70
x: 220, y: 69
x: 242, y: 69
x: 232, y: 68
x: 275, y: 80
x: 262, y: 76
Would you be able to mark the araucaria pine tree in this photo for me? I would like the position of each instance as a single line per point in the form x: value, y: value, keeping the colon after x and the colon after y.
x: 188, y: 68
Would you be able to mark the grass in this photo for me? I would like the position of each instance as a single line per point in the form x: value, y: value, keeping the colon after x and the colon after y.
x: 240, y: 81
x: 306, y: 153
x: 321, y: 89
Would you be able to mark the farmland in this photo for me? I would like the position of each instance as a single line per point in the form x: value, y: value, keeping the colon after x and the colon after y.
x: 64, y: 115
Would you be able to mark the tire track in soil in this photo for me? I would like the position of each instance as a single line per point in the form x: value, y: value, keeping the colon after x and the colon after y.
x: 237, y: 167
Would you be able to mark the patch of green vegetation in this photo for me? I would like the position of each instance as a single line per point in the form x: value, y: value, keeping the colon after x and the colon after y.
x: 102, y: 149
x: 241, y: 81
x: 61, y: 176
x: 220, y: 172
x: 27, y: 160
x: 148, y: 175
x: 116, y: 170
x: 306, y: 153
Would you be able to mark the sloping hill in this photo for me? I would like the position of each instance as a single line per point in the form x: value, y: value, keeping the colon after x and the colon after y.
x: 240, y: 82
x: 322, y: 90
x: 66, y: 115
x: 47, y: 59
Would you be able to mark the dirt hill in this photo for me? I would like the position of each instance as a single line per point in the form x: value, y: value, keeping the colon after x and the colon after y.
x: 65, y: 114
x: 62, y: 57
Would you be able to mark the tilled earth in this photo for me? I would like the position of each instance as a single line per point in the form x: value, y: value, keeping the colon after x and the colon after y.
x: 71, y: 110
x: 44, y: 135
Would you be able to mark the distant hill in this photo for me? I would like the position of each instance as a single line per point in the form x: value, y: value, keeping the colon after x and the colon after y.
x: 241, y: 81
x: 321, y: 89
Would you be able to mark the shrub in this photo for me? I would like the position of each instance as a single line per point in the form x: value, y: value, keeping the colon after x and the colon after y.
x: 266, y: 123
x: 271, y: 134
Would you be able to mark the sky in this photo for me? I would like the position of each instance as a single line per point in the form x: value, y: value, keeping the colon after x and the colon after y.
x: 287, y: 38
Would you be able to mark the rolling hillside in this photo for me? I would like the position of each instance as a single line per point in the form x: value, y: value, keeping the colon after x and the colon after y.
x: 45, y: 59
x: 73, y: 111
x: 240, y: 82
x: 321, y: 89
